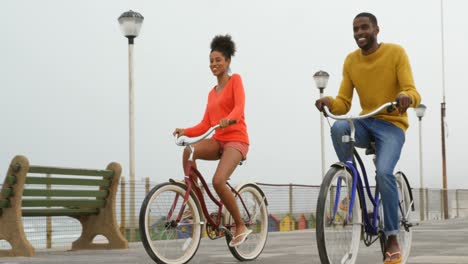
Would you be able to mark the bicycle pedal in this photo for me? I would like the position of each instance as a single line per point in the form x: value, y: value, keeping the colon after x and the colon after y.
x: 412, y: 224
x: 226, y: 231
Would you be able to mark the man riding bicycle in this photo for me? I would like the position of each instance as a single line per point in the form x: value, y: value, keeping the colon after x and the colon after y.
x: 380, y: 72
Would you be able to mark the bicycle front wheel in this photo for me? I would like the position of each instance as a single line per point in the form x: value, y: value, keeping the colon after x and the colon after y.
x: 253, y: 209
x: 165, y: 240
x: 338, y: 232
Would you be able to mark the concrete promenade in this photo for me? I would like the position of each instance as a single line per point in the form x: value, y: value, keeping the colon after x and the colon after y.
x: 433, y: 242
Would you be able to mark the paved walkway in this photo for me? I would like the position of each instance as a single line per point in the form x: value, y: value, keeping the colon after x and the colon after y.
x: 433, y: 242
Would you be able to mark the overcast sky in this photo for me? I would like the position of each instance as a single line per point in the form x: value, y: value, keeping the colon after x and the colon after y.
x: 64, y: 81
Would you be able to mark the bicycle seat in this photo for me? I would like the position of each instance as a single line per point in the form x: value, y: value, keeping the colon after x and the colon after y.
x: 370, y: 150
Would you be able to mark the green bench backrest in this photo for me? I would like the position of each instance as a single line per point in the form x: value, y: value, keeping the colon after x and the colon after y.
x: 81, y: 191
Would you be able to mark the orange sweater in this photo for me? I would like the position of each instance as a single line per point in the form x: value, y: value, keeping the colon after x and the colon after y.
x: 229, y: 103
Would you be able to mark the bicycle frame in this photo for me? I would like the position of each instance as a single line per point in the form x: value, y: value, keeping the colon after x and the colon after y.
x: 370, y: 223
x: 191, y: 178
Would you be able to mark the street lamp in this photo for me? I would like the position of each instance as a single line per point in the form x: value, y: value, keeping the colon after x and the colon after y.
x: 321, y: 80
x: 420, y: 109
x: 130, y: 23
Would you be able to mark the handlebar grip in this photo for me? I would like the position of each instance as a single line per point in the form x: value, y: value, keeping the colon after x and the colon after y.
x: 392, y: 107
x: 232, y: 122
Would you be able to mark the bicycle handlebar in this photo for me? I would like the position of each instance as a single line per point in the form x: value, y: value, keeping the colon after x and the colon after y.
x: 186, y: 141
x: 390, y: 107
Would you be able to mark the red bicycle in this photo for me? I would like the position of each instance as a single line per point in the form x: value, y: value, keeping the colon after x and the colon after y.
x: 174, y: 214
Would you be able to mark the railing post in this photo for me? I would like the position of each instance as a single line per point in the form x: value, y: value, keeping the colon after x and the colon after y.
x: 421, y: 204
x: 132, y: 211
x: 457, y: 199
x: 147, y: 185
x: 427, y: 203
x: 122, y: 208
x: 442, y: 215
x: 48, y: 221
x: 290, y: 205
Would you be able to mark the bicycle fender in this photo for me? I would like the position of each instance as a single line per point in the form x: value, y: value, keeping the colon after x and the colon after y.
x: 341, y: 165
x: 407, y: 186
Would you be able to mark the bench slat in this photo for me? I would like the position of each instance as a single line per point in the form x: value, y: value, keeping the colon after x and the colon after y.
x: 7, y: 192
x: 62, y: 202
x: 58, y: 212
x: 67, y: 181
x: 65, y: 193
x: 70, y: 171
x: 4, y: 204
x: 10, y: 179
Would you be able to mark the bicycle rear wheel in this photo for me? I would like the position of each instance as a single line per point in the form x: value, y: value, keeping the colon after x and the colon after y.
x: 338, y: 235
x: 406, y: 216
x: 256, y: 207
x: 166, y: 241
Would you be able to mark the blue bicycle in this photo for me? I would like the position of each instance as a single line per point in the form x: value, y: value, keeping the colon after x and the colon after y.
x: 343, y: 216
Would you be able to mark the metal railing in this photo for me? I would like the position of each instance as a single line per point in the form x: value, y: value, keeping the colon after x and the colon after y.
x: 290, y: 202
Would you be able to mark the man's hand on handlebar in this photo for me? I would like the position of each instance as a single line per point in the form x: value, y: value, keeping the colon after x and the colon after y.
x: 320, y: 103
x: 403, y: 102
x: 179, y: 131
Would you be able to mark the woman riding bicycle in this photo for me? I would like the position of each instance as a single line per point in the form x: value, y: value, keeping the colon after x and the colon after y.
x: 380, y: 72
x: 229, y: 144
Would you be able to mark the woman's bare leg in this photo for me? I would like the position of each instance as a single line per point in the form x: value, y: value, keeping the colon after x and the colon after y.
x: 207, y: 149
x: 228, y: 162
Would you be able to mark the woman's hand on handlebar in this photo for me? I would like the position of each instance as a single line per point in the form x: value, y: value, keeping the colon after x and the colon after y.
x: 223, y: 123
x: 403, y: 102
x: 320, y: 103
x: 179, y: 131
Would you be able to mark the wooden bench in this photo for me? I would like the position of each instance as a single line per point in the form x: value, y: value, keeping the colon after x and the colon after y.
x: 24, y: 194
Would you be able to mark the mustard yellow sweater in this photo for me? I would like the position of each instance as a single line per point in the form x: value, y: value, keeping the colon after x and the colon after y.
x: 378, y: 78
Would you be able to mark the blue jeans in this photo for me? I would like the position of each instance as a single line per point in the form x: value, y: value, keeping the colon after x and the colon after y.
x: 389, y: 141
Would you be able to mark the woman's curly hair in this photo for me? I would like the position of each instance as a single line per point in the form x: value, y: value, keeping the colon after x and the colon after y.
x: 223, y: 44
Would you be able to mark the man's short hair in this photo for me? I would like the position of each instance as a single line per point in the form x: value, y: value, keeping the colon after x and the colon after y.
x: 371, y: 17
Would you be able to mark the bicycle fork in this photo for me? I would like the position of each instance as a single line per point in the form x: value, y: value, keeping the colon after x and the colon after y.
x: 404, y: 216
x: 175, y: 222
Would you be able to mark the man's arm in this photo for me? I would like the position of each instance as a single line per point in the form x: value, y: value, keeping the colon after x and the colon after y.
x: 342, y: 103
x: 408, y: 96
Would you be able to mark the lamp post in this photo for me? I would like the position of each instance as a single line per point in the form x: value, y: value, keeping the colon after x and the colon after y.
x: 443, y: 108
x: 130, y: 23
x: 321, y: 80
x: 420, y: 109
